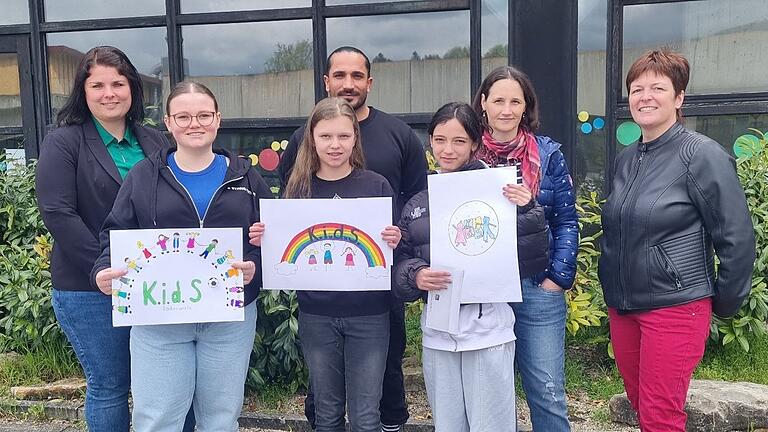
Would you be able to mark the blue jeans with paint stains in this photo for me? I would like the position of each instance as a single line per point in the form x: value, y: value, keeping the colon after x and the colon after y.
x: 540, y: 355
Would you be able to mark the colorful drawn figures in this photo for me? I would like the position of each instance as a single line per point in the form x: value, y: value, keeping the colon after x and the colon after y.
x: 222, y: 259
x: 175, y: 242
x: 162, y: 241
x: 461, y: 234
x: 486, y: 229
x: 349, y: 258
x: 121, y: 294
x: 191, y: 241
x: 312, y: 261
x: 232, y: 272
x: 132, y: 264
x: 208, y: 249
x: 144, y: 250
x: 126, y: 281
x: 327, y: 256
x: 122, y: 309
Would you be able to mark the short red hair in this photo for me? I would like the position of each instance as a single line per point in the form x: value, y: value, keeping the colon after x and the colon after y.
x: 664, y: 62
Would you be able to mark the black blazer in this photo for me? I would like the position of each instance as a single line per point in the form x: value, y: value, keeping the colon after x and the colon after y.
x: 77, y: 182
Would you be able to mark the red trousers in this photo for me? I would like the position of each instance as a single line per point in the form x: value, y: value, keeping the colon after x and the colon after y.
x: 656, y: 352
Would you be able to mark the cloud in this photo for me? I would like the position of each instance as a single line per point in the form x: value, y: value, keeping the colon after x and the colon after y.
x: 285, y: 268
x: 377, y: 272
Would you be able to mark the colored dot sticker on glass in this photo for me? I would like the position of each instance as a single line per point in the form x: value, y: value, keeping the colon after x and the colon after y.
x: 628, y: 132
x: 254, y: 159
x: 269, y: 159
x: 746, y: 145
x: 586, y: 128
x: 598, y: 123
x: 583, y: 116
x: 283, y: 144
x: 275, y: 145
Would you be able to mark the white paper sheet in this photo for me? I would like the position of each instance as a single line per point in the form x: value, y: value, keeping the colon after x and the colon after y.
x: 326, y: 244
x: 177, y: 276
x: 473, y: 227
x: 442, y: 306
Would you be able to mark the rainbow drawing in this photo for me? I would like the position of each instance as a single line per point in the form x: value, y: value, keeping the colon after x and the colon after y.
x: 332, y: 231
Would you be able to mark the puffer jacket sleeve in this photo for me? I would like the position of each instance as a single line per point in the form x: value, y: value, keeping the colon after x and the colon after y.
x: 532, y: 240
x: 716, y: 192
x: 407, y: 263
x: 563, y: 223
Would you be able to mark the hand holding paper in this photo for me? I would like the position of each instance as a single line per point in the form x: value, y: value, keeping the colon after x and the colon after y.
x: 255, y: 233
x: 517, y: 194
x: 428, y: 279
x: 391, y: 235
x: 104, y: 278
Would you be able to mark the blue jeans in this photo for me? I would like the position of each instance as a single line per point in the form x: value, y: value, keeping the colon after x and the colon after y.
x: 346, y: 359
x: 540, y: 355
x: 178, y: 365
x: 86, y: 319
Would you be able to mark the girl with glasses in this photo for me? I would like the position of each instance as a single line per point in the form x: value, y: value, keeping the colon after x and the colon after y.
x: 189, y: 186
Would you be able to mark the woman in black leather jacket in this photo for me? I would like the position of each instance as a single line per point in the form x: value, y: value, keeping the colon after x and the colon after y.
x: 675, y: 202
x: 469, y: 375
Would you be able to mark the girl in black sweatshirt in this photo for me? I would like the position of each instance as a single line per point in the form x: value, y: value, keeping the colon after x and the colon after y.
x: 344, y: 335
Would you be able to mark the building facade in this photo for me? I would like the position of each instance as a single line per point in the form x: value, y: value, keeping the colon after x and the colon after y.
x: 264, y: 61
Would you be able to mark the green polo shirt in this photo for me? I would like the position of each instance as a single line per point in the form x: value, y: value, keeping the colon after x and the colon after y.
x: 125, y: 153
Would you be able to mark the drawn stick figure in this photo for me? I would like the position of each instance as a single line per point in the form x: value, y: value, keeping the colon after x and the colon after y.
x: 312, y: 261
x: 211, y: 246
x: 132, y: 265
x: 175, y: 242
x: 327, y: 256
x: 349, y: 258
x: 162, y: 241
x: 144, y: 250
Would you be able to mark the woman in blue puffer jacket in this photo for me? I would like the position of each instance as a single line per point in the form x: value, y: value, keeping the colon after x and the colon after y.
x: 507, y: 103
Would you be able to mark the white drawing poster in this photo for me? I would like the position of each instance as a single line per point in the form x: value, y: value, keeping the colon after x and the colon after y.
x: 177, y: 276
x: 473, y: 227
x: 443, y: 306
x: 326, y: 244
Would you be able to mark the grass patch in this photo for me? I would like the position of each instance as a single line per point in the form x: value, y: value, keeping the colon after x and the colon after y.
x: 589, y: 370
x: 46, y: 364
x: 730, y: 363
x: 413, y: 333
x: 274, y: 397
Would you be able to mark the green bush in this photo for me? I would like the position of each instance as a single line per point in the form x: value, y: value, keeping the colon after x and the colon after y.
x: 27, y: 321
x: 585, y: 301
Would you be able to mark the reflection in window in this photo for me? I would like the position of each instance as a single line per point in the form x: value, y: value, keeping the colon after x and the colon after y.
x: 495, y: 38
x: 273, y: 77
x: 346, y: 2
x: 263, y: 148
x: 590, y: 96
x: 192, y: 6
x: 420, y: 61
x: 726, y: 129
x: 724, y: 41
x: 10, y: 91
x: 63, y: 10
x: 15, y: 12
x: 146, y: 48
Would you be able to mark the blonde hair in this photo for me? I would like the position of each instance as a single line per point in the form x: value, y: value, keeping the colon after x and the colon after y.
x: 307, y: 161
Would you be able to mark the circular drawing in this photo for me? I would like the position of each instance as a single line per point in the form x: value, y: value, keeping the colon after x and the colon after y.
x: 473, y: 228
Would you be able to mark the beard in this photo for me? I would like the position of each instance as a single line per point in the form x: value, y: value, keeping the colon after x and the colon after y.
x: 359, y: 99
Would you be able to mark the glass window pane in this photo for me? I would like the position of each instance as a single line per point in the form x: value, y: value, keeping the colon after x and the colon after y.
x: 590, y: 96
x: 346, y: 2
x: 15, y: 12
x: 420, y: 61
x: 273, y: 77
x: 146, y: 48
x: 10, y: 91
x: 264, y: 148
x: 192, y: 6
x: 63, y: 10
x: 724, y: 41
x: 495, y: 38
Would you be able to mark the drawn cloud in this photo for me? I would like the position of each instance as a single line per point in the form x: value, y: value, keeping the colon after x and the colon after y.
x: 377, y: 272
x: 286, y: 269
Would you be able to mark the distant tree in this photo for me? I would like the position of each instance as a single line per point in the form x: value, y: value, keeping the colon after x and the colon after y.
x: 431, y: 57
x: 380, y: 59
x: 290, y: 57
x: 415, y: 56
x: 457, y: 52
x: 499, y: 50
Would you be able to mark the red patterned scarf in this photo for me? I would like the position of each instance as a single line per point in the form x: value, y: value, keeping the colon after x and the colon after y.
x: 523, y: 149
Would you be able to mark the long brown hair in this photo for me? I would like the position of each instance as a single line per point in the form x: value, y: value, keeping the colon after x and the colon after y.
x: 530, y: 120
x: 307, y: 161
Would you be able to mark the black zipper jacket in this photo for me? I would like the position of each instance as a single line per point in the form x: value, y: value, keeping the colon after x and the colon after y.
x: 673, y: 201
x: 152, y: 198
x: 413, y: 250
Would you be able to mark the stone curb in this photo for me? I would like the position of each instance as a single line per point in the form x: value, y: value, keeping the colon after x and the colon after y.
x: 71, y: 411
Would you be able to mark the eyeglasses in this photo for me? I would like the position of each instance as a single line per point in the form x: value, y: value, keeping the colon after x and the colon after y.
x: 204, y: 118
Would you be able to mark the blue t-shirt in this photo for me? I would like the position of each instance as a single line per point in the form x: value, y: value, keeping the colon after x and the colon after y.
x: 201, y: 185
